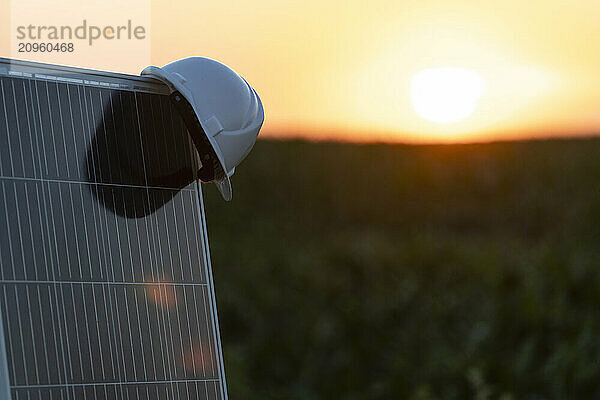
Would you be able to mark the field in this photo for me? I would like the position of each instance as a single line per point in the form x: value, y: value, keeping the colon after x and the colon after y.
x: 348, y: 271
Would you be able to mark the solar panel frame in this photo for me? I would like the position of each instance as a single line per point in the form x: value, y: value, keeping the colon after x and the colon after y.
x: 77, y: 77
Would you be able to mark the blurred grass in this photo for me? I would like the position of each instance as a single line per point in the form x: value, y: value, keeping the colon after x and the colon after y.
x: 411, y: 272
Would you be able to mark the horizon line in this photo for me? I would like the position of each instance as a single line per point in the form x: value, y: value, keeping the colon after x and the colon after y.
x: 361, y: 137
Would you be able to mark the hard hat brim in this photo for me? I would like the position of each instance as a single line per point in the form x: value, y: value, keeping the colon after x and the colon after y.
x: 224, y: 186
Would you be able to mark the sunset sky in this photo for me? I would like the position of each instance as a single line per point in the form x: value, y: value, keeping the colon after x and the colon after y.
x: 352, y: 70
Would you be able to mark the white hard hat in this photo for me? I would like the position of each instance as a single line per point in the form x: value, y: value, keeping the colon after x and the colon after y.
x: 222, y: 105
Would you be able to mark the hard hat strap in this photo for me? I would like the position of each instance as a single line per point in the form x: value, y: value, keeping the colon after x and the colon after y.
x: 211, y: 168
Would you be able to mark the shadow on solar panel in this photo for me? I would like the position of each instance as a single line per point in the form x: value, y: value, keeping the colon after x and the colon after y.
x: 139, y: 152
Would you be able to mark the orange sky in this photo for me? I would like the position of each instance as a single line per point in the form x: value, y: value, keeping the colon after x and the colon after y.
x: 342, y: 70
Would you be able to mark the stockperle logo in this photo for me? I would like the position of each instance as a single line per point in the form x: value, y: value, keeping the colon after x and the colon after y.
x: 88, y: 32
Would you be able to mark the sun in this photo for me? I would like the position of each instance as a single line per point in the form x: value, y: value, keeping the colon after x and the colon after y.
x: 446, y: 95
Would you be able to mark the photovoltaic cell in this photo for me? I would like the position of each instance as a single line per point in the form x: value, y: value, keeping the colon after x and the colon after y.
x: 105, y: 281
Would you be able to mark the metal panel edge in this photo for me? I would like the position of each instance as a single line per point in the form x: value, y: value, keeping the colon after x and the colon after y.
x: 4, y: 379
x: 209, y: 280
x: 110, y: 80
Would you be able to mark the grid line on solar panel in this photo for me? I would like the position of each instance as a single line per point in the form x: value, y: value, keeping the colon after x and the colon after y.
x: 115, y: 305
x: 84, y: 226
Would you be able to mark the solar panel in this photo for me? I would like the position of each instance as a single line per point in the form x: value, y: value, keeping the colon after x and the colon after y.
x: 105, y: 281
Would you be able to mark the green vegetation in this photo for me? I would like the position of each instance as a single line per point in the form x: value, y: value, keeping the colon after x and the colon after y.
x: 411, y: 272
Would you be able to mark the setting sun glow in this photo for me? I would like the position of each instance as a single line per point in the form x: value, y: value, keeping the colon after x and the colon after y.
x: 445, y: 95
